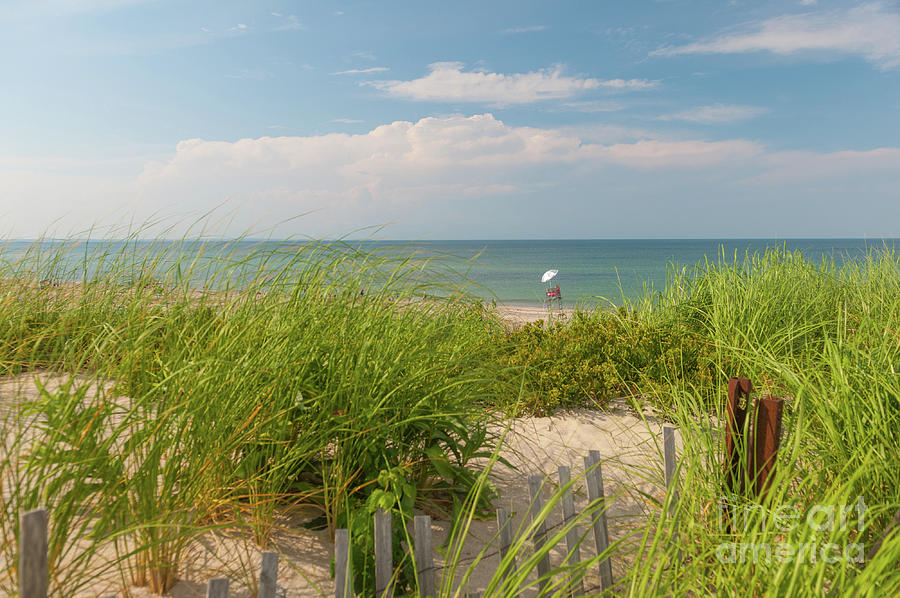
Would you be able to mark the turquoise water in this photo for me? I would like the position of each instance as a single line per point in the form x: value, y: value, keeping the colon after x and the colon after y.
x: 593, y: 269
x: 590, y: 271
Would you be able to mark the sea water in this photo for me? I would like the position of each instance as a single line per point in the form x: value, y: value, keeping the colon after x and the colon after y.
x: 603, y: 271
x: 591, y: 271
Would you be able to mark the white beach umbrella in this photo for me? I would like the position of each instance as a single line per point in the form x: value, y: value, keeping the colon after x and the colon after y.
x: 548, y: 275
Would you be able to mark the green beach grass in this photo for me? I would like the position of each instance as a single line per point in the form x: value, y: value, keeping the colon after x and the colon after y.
x: 282, y: 387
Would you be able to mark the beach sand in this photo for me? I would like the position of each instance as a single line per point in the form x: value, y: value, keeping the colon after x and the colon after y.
x: 519, y: 315
x: 630, y: 447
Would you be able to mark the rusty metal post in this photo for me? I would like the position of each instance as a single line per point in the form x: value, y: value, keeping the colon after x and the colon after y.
x: 766, y: 438
x: 735, y: 443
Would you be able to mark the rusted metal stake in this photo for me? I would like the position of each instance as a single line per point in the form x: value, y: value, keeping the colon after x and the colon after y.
x: 735, y: 443
x: 766, y: 438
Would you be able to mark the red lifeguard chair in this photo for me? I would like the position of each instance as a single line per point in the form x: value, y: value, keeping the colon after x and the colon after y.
x: 553, y: 296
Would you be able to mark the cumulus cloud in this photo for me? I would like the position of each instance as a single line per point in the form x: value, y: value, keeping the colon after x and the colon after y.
x: 716, y: 114
x: 476, y: 149
x: 869, y: 30
x: 529, y: 29
x: 422, y: 167
x: 448, y: 82
x: 289, y: 23
x: 373, y: 69
x: 804, y: 167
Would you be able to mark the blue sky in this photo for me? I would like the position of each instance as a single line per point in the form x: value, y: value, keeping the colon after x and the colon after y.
x: 453, y: 120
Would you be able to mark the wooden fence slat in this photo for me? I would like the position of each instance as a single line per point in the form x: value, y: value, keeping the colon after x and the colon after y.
x: 594, y: 477
x: 268, y: 575
x: 343, y: 566
x: 539, y: 537
x: 568, y: 507
x: 504, y: 527
x: 671, y: 479
x: 424, y: 557
x: 33, y: 568
x: 384, y: 566
x: 669, y: 456
x: 217, y: 588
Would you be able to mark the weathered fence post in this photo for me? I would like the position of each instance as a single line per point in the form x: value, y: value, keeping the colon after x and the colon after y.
x: 671, y: 468
x: 424, y: 557
x: 268, y: 575
x: 766, y: 438
x: 594, y: 477
x: 539, y: 537
x: 568, y: 507
x: 669, y: 458
x: 735, y: 444
x: 384, y: 565
x: 343, y: 567
x: 217, y: 588
x: 33, y: 567
x: 505, y: 531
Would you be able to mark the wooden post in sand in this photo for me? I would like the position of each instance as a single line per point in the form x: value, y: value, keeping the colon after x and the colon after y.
x: 268, y: 575
x: 33, y: 567
x: 594, y: 476
x: 568, y: 507
x: 384, y: 567
x: 217, y: 588
x: 539, y: 537
x: 504, y: 528
x: 343, y: 567
x: 669, y: 458
x: 671, y: 478
x: 424, y: 556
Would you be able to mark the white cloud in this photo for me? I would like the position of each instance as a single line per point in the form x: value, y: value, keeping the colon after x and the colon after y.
x: 373, y: 69
x: 869, y: 30
x: 447, y: 82
x: 716, y: 114
x: 345, y: 121
x: 62, y: 8
x: 660, y: 154
x: 629, y: 84
x: 417, y: 172
x: 531, y: 29
x: 593, y: 106
x: 289, y: 23
x: 805, y: 167
x: 253, y: 74
x: 365, y: 55
x: 391, y: 160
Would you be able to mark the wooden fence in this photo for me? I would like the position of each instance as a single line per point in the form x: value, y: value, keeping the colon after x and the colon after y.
x: 34, y: 574
x: 422, y: 541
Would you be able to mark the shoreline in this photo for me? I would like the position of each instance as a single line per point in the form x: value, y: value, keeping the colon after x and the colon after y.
x: 519, y: 315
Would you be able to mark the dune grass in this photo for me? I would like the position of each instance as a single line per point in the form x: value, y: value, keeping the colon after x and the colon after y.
x: 212, y: 386
x: 284, y: 385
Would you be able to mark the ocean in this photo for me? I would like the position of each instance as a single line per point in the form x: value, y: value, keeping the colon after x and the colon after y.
x: 591, y: 271
x: 599, y: 271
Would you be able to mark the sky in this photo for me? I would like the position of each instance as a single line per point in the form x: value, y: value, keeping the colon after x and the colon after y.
x: 451, y: 120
